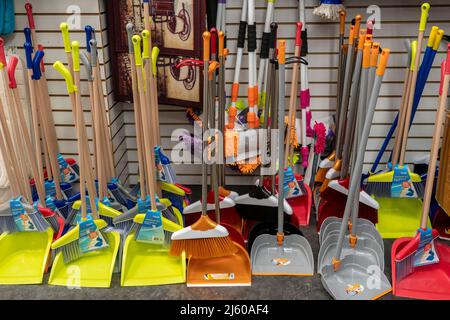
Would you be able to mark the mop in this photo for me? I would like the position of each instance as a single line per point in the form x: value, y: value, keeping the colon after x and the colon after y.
x: 329, y: 9
x: 421, y: 264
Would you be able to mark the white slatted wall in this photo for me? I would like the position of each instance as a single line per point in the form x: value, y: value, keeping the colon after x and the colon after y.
x: 48, y: 15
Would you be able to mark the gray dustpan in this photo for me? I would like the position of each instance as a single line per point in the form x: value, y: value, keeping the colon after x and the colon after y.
x: 355, y: 276
x: 280, y: 254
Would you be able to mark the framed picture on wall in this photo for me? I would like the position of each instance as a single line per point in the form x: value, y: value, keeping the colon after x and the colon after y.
x: 177, y: 29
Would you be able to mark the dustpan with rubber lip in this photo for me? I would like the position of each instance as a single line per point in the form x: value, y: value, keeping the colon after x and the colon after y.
x: 332, y: 203
x: 281, y: 254
x: 23, y: 255
x: 421, y: 264
x: 93, y: 269
x: 355, y: 277
x: 227, y: 271
x: 145, y: 264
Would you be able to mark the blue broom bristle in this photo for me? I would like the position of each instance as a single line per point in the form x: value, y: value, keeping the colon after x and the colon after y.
x: 135, y: 190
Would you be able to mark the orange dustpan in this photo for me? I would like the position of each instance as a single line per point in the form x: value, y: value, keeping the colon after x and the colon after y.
x: 233, y: 270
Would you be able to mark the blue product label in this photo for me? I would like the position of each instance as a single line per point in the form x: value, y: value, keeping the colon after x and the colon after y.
x: 50, y: 204
x: 151, y: 230
x: 426, y: 253
x: 402, y: 186
x: 20, y: 216
x: 290, y: 185
x: 160, y: 175
x: 90, y: 238
x: 106, y: 201
x: 66, y: 174
x: 143, y: 205
x: 50, y: 188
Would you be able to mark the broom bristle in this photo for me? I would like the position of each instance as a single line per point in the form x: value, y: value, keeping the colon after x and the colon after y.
x: 204, y: 248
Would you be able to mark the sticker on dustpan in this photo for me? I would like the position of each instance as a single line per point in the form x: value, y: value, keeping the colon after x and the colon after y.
x: 354, y: 289
x: 151, y: 230
x: 290, y: 185
x: 402, y: 186
x: 219, y: 276
x: 21, y: 218
x: 426, y: 253
x: 90, y: 238
x: 281, y: 262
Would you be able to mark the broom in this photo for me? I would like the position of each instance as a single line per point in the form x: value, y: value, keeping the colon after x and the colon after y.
x: 390, y: 184
x: 405, y: 258
x: 205, y: 238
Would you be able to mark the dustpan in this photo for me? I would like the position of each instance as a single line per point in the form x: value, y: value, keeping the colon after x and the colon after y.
x: 93, y: 269
x: 355, y: 276
x: 281, y: 254
x: 232, y: 270
x: 145, y: 264
x: 421, y: 265
x: 24, y: 256
x: 332, y: 203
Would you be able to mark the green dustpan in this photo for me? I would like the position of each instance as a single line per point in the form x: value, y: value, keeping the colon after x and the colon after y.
x: 23, y: 256
x: 146, y: 264
x: 93, y: 269
x: 397, y: 217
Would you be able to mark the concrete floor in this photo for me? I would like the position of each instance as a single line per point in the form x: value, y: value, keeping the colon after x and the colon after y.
x: 263, y: 288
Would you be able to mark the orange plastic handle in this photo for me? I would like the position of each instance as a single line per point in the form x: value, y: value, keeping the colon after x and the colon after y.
x: 362, y: 38
x: 357, y: 25
x: 206, y: 45
x: 374, y: 54
x: 366, y: 55
x: 221, y: 43
x: 281, y: 51
x: 383, y: 61
x: 351, y: 38
x: 342, y: 15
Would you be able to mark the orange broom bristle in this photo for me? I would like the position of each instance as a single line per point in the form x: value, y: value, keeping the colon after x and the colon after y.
x: 203, y: 248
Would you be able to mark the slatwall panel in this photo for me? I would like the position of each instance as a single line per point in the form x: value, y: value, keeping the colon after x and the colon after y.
x: 399, y: 20
x: 48, y: 15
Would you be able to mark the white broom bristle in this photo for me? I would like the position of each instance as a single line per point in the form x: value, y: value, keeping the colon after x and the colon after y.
x: 328, y: 11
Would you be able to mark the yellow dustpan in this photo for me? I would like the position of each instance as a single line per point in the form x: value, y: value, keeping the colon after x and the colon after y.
x: 145, y: 264
x: 23, y: 256
x: 93, y: 269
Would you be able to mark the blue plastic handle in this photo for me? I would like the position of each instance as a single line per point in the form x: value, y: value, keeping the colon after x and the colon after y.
x: 27, y: 33
x: 29, y: 54
x: 37, y: 65
x: 89, y: 32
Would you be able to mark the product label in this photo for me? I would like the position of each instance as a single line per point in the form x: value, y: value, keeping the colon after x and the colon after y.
x: 90, y: 238
x: 21, y: 218
x: 280, y: 262
x: 426, y: 253
x: 143, y: 205
x: 402, y: 186
x: 66, y: 174
x: 50, y: 188
x: 151, y: 230
x: 354, y: 289
x: 290, y: 185
x: 160, y: 174
x: 219, y: 276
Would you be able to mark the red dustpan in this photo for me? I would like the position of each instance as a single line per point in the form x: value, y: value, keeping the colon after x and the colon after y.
x: 333, y: 199
x: 431, y: 282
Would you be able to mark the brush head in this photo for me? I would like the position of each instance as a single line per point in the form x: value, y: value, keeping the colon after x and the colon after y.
x: 203, y: 248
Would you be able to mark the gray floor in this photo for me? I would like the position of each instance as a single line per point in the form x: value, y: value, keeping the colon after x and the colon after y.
x: 268, y: 288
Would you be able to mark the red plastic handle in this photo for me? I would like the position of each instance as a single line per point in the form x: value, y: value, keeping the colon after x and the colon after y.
x: 2, y: 52
x: 12, y: 71
x: 41, y: 48
x: 214, y: 41
x: 447, y: 63
x: 298, y: 35
x: 189, y: 62
x: 29, y: 10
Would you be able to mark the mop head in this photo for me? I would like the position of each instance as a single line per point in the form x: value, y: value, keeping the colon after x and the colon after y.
x: 203, y: 240
x: 329, y: 9
x: 320, y: 133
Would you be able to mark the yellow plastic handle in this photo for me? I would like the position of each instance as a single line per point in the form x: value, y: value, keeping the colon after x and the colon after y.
x: 425, y: 7
x: 366, y: 54
x: 76, y: 56
x: 1, y: 66
x: 437, y: 39
x: 281, y: 51
x: 432, y: 37
x: 374, y: 54
x: 206, y: 45
x: 58, y: 66
x: 362, y: 38
x: 413, y: 54
x: 137, y: 50
x: 64, y: 27
x: 383, y: 61
x: 155, y: 54
x: 145, y: 44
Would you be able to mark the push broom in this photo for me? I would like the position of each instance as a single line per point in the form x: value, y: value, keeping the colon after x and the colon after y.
x: 420, y: 265
x: 205, y: 238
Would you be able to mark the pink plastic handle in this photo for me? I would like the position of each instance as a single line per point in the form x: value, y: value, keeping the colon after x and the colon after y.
x: 305, y: 154
x: 2, y: 52
x: 370, y: 24
x: 309, y: 130
x: 305, y: 99
x: 29, y: 10
x: 41, y: 48
x: 447, y: 65
x: 12, y: 72
x: 298, y: 35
